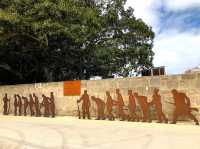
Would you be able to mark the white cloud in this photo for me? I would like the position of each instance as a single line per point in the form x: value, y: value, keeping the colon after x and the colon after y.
x: 181, y: 4
x: 177, y: 51
x: 145, y: 9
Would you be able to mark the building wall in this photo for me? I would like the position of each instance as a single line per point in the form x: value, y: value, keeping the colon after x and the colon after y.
x: 67, y: 105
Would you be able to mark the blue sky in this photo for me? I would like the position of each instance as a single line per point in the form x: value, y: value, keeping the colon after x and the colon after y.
x: 176, y: 24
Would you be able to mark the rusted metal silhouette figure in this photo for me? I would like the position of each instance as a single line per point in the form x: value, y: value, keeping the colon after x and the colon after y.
x: 19, y: 103
x: 26, y: 103
x: 109, y: 105
x: 31, y: 104
x: 100, y: 107
x: 15, y: 104
x: 85, y: 104
x: 52, y: 104
x: 132, y: 107
x: 182, y: 106
x: 142, y: 100
x: 156, y: 101
x: 6, y: 105
x: 120, y: 105
x: 46, y: 104
x: 37, y: 106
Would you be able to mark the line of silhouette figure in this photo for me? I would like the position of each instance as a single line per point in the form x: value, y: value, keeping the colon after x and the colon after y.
x: 22, y: 103
x: 181, y: 103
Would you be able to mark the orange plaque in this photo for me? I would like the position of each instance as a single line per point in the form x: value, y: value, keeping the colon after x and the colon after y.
x: 72, y: 88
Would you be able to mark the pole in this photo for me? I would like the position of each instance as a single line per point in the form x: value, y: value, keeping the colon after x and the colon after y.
x: 79, y: 113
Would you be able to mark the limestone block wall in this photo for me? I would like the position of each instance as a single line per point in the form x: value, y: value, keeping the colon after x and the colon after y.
x: 66, y: 105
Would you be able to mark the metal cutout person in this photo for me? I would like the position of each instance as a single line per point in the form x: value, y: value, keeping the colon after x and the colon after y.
x: 142, y: 100
x: 100, y: 108
x: 132, y: 107
x: 52, y: 104
x: 19, y: 104
x: 37, y: 106
x: 6, y: 104
x: 26, y: 103
x: 120, y: 106
x: 109, y: 105
x: 15, y: 104
x: 31, y: 105
x: 156, y: 101
x: 182, y: 106
x: 85, y: 104
x: 46, y: 104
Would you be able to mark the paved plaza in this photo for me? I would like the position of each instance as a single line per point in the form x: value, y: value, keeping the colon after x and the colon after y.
x: 72, y: 133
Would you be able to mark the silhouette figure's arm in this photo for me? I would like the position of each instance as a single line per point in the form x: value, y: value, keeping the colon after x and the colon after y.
x: 80, y: 99
x: 49, y: 100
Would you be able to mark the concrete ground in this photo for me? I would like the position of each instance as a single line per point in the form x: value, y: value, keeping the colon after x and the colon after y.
x: 72, y: 133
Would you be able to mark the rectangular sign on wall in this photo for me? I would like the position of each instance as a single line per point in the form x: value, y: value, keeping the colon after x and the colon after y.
x: 72, y: 88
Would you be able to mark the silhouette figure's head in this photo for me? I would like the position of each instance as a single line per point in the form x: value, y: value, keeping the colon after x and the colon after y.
x: 85, y: 91
x: 174, y: 91
x: 6, y: 94
x: 129, y: 92
x: 117, y: 91
x: 107, y: 93
x: 135, y: 94
x: 93, y: 97
x: 156, y: 90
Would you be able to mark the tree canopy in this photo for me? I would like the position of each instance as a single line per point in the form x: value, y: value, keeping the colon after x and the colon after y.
x: 51, y: 40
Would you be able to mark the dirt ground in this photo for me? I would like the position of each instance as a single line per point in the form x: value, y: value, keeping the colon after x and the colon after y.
x: 72, y: 133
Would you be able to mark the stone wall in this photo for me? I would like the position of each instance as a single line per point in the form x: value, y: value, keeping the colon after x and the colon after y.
x: 66, y: 105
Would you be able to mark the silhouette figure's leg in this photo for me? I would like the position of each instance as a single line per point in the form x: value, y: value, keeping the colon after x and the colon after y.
x: 88, y: 112
x: 32, y: 111
x: 159, y: 116
x: 175, y: 116
x: 15, y: 111
x: 148, y: 116
x: 164, y: 117
x: 83, y: 111
x: 39, y: 111
x: 47, y: 111
x: 5, y: 110
x: 110, y: 114
x: 102, y: 111
x: 144, y: 115
x: 20, y: 111
x: 130, y: 116
x: 98, y: 114
x: 121, y: 112
x: 136, y: 117
x: 191, y: 116
x: 24, y: 110
x: 53, y: 112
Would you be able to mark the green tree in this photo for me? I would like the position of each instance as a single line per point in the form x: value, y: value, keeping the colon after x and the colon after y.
x: 50, y: 40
